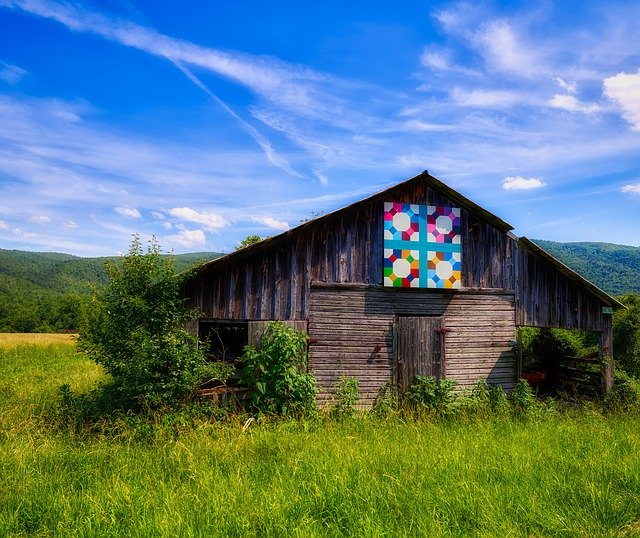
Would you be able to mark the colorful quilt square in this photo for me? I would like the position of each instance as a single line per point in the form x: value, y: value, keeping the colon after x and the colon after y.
x: 444, y: 269
x: 422, y: 246
x: 443, y: 224
x: 401, y: 221
x: 401, y: 268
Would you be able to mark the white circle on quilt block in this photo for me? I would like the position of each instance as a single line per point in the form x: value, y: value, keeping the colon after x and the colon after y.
x: 401, y: 222
x: 444, y: 270
x: 401, y: 268
x: 444, y: 224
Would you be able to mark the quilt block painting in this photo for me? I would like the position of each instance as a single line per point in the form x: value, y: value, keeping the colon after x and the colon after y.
x: 422, y: 247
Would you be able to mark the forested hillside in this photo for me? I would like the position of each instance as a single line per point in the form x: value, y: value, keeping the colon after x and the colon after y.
x: 43, y: 291
x: 613, y: 268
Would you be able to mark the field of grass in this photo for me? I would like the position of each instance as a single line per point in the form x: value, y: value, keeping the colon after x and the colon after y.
x: 8, y: 340
x: 553, y: 474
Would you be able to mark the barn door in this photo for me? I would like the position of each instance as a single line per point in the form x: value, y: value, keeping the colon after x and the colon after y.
x: 419, y: 348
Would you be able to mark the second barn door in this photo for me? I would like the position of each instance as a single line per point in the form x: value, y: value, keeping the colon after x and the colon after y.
x: 419, y: 348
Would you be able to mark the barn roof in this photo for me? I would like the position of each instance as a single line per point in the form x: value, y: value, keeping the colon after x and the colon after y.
x: 451, y: 194
x: 431, y: 181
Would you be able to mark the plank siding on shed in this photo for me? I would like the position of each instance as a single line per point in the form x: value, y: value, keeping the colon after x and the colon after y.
x: 346, y: 324
x: 545, y: 297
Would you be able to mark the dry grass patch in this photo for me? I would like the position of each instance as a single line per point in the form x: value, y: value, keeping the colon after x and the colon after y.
x: 10, y: 340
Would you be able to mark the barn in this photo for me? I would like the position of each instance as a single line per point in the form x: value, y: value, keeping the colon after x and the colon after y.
x: 416, y: 279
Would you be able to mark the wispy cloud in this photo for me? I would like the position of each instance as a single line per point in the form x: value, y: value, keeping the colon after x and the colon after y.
x: 131, y: 212
x: 270, y: 222
x: 40, y: 219
x: 211, y: 221
x: 187, y: 239
x: 11, y: 74
x: 571, y: 104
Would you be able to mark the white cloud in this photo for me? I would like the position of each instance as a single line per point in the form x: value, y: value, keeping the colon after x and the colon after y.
x: 631, y: 189
x: 519, y: 183
x: 570, y: 103
x: 624, y: 89
x: 70, y: 224
x: 3, y: 225
x: 128, y: 212
x: 11, y: 73
x: 324, y: 180
x: 188, y: 238
x: 270, y: 222
x: 488, y: 98
x: 40, y: 219
x: 158, y: 215
x: 503, y: 50
x: 211, y: 221
x: 570, y: 87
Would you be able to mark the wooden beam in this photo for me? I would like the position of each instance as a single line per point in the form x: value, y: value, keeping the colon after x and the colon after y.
x: 606, y: 353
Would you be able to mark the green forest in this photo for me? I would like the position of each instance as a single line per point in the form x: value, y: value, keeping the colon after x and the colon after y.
x: 44, y: 291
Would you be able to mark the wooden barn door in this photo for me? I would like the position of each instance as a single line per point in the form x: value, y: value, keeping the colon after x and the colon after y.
x: 419, y: 348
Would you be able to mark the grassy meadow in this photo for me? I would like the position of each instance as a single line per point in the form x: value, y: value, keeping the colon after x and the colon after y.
x: 553, y: 474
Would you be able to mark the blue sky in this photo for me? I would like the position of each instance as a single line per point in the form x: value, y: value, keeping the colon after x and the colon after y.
x: 203, y: 122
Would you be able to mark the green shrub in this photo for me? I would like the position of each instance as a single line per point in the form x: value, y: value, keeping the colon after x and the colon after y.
x: 522, y: 398
x: 347, y: 395
x: 136, y: 329
x: 274, y: 373
x: 386, y: 402
x: 434, y: 397
x: 626, y: 335
x: 624, y: 395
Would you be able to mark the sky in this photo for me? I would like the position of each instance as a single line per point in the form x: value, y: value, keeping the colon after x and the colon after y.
x: 202, y: 122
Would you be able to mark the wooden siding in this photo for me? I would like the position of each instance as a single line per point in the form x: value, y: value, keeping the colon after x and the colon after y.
x: 274, y: 282
x: 349, y: 324
x: 546, y: 297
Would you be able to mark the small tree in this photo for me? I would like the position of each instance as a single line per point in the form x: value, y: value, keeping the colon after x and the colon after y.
x: 136, y: 329
x: 249, y: 240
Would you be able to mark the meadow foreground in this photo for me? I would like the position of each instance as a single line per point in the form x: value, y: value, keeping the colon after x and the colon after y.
x: 560, y: 474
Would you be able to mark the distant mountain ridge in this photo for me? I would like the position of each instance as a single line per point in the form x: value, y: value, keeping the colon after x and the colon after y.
x: 43, y: 291
x: 53, y: 272
x: 613, y: 268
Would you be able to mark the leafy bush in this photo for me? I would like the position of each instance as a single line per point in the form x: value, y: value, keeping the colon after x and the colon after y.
x: 626, y: 335
x: 136, y: 329
x: 347, y: 394
x: 625, y: 394
x: 386, y: 402
x: 427, y: 394
x: 274, y: 372
x: 484, y: 400
x: 544, y: 348
x: 522, y: 398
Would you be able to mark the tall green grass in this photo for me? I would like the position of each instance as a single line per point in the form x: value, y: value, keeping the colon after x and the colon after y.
x: 571, y: 474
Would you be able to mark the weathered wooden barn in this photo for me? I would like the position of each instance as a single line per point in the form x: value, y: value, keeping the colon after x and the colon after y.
x: 416, y: 279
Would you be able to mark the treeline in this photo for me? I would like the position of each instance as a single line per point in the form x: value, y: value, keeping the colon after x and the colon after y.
x: 45, y: 291
x: 613, y: 268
